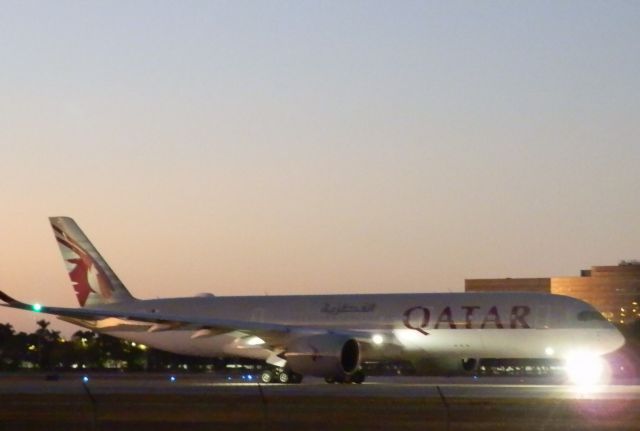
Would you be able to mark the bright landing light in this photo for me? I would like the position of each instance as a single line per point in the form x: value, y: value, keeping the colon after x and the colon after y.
x: 585, y: 369
x: 377, y: 339
x: 255, y: 341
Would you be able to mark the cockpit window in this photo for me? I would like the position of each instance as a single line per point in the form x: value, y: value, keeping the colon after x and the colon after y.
x: 587, y: 315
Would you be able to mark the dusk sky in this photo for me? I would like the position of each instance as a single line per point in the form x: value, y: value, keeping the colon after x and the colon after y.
x: 250, y: 148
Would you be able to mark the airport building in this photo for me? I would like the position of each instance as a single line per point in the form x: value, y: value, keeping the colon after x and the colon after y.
x: 613, y: 290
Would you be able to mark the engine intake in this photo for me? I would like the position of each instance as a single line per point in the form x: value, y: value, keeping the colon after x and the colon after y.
x: 323, y: 355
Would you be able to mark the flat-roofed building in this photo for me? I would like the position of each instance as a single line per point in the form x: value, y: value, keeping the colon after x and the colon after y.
x: 508, y: 284
x: 613, y: 290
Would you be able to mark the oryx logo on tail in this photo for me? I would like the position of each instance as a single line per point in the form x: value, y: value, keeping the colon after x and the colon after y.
x: 93, y: 280
x: 84, y: 273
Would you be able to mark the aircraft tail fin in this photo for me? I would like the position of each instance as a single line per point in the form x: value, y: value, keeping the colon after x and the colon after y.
x: 94, y: 282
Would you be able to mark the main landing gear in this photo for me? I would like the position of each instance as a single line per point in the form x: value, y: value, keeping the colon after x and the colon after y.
x: 285, y: 376
x: 357, y: 377
x: 279, y: 375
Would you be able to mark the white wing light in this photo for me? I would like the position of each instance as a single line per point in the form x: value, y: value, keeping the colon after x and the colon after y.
x: 255, y: 341
x: 377, y: 339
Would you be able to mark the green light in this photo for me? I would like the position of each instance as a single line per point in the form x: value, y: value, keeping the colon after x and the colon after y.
x: 36, y: 307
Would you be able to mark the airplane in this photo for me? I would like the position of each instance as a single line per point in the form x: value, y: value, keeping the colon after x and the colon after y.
x: 327, y: 336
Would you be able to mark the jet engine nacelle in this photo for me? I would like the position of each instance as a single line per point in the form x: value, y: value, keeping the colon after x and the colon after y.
x: 323, y: 355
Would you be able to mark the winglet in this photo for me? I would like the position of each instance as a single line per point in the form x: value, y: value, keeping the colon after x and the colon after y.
x: 6, y: 298
x: 14, y: 303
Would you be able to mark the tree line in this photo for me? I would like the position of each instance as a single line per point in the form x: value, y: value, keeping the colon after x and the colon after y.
x: 46, y: 350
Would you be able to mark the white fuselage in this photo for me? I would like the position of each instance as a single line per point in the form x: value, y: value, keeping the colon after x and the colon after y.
x: 459, y: 325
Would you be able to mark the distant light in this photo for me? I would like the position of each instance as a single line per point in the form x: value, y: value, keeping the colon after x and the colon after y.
x: 172, y: 379
x: 85, y: 379
x: 377, y: 339
x: 36, y: 307
x: 250, y: 377
x: 549, y: 351
x: 142, y: 347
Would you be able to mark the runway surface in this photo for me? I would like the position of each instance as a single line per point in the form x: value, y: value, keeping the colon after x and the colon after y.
x: 154, y: 402
x: 387, y: 387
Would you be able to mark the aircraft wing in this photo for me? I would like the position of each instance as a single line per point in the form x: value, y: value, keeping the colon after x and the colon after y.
x: 274, y: 334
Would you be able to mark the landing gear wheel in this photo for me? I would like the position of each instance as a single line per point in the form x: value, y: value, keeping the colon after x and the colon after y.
x: 295, y: 378
x: 330, y: 380
x: 358, y: 377
x: 266, y: 376
x: 284, y: 377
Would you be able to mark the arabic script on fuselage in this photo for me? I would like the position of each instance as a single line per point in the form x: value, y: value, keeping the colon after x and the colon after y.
x: 347, y: 308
